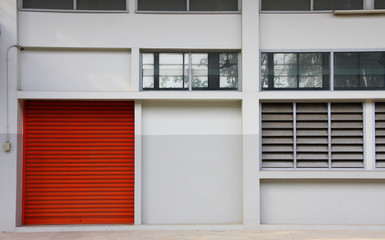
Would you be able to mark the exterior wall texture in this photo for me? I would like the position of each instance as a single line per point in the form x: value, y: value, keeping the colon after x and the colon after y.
x: 197, y: 153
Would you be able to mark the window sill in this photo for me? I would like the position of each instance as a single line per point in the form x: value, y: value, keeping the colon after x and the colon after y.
x: 71, y: 11
x: 322, y: 174
x: 359, y: 12
x: 187, y: 12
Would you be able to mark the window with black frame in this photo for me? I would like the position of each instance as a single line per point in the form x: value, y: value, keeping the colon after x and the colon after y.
x: 295, y: 71
x: 359, y: 70
x: 188, y: 5
x: 311, y: 5
x: 76, y: 5
x: 190, y: 71
x: 379, y: 4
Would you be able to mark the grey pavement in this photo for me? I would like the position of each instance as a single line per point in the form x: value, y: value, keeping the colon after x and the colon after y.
x: 197, y: 234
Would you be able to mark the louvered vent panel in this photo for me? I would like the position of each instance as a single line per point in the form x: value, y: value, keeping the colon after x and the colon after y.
x: 347, y: 135
x: 380, y: 135
x: 277, y: 135
x: 312, y: 135
x: 78, y: 162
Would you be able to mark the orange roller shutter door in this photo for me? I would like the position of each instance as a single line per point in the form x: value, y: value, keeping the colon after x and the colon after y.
x: 78, y: 162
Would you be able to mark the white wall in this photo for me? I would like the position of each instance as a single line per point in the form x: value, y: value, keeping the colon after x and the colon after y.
x: 191, y: 162
x: 188, y: 31
x: 321, y: 31
x: 75, y: 70
x: 322, y: 201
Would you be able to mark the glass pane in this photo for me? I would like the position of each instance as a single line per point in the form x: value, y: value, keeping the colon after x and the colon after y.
x: 148, y: 82
x: 148, y: 70
x: 228, y: 70
x: 48, y: 4
x: 164, y: 5
x: 379, y: 4
x: 345, y: 81
x: 285, y: 5
x: 199, y: 70
x: 264, y: 71
x: 101, y: 4
x: 372, y: 69
x: 285, y: 64
x: 310, y: 81
x: 285, y: 82
x: 338, y: 4
x: 171, y: 72
x: 346, y: 72
x: 213, y: 5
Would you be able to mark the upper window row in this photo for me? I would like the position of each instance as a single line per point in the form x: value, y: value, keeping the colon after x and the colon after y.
x: 143, y: 5
x: 317, y: 5
x: 198, y: 5
x: 352, y: 70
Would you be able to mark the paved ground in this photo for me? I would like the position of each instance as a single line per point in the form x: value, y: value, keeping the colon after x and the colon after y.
x: 198, y: 235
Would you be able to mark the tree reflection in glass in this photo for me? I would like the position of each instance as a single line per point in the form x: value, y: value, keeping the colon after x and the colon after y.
x: 295, y: 70
x: 171, y: 70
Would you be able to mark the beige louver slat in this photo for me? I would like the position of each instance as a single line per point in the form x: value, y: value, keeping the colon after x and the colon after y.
x: 277, y: 135
x: 347, y: 135
x: 380, y: 134
x: 312, y: 135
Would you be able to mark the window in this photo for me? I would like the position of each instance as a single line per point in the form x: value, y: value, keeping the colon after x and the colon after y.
x: 359, y: 70
x: 379, y: 4
x: 310, y: 5
x: 285, y: 5
x: 188, y: 5
x: 380, y: 134
x: 190, y: 71
x: 338, y: 4
x: 312, y: 135
x: 92, y: 5
x: 295, y: 71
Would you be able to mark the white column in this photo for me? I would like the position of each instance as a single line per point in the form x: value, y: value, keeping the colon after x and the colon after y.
x: 9, y: 204
x: 138, y: 162
x: 135, y: 71
x: 250, y: 112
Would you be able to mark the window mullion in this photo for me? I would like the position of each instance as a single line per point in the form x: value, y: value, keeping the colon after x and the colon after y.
x: 75, y: 5
x: 297, y: 71
x: 156, y: 71
x: 311, y: 5
x: 187, y: 5
x: 331, y: 66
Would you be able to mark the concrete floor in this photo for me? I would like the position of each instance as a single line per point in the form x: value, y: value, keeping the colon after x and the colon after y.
x: 200, y: 235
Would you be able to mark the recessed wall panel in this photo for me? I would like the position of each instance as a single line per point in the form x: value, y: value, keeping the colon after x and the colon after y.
x: 75, y: 70
x: 329, y: 201
x: 191, y: 163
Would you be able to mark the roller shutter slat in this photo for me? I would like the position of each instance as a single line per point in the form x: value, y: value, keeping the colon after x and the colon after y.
x: 78, y: 162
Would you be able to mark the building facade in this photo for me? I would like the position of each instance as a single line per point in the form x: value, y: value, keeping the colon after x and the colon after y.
x: 185, y: 114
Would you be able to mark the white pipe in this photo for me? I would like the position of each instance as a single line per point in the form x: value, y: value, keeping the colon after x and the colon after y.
x: 7, y: 144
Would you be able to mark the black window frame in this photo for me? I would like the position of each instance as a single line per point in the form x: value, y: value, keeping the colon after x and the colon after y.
x: 74, y: 9
x: 375, y: 5
x: 188, y: 9
x: 359, y: 72
x: 311, y: 7
x: 326, y: 73
x: 213, y: 75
